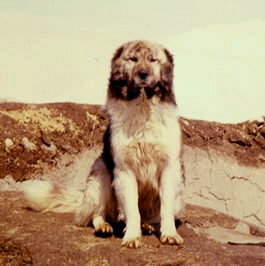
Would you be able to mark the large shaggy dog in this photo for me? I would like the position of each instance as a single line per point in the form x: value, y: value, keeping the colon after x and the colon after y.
x: 138, y: 179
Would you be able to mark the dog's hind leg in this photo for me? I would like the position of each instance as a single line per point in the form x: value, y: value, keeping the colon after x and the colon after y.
x: 102, y: 228
x: 97, y: 201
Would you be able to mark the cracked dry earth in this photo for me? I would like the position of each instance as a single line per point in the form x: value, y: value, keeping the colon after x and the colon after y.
x: 31, y: 238
x: 225, y: 167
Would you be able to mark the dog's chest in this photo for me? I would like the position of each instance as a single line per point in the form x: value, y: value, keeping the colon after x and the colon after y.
x: 144, y: 140
x: 144, y: 143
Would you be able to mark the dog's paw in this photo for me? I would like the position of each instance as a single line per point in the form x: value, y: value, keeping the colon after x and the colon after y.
x: 147, y: 229
x: 171, y: 239
x: 132, y: 242
x: 103, y: 229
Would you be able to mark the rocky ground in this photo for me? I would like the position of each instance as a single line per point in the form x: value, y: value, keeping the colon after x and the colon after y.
x: 34, y: 139
x: 61, y: 141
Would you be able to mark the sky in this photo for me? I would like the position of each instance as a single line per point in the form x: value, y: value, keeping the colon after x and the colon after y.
x: 57, y: 50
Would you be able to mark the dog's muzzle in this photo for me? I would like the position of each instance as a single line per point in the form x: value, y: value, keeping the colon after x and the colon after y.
x: 143, y: 80
x: 134, y: 92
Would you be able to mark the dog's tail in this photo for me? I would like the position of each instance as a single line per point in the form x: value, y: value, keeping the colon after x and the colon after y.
x: 45, y: 196
x: 96, y: 200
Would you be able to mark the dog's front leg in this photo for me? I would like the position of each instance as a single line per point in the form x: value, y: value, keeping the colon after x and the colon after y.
x: 127, y: 195
x: 169, y: 191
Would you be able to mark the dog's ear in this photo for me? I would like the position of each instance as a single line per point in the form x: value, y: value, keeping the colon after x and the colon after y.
x: 169, y: 56
x: 167, y: 69
x: 118, y: 78
x: 166, y: 82
x: 117, y: 54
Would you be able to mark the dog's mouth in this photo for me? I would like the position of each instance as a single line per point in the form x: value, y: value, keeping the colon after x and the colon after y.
x: 150, y: 92
x: 149, y: 86
x: 143, y: 83
x: 134, y: 92
x: 130, y: 90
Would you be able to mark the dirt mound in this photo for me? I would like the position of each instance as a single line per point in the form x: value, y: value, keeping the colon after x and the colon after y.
x: 243, y: 141
x: 34, y: 138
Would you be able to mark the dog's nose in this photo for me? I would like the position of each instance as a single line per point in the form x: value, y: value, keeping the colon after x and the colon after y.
x: 143, y: 74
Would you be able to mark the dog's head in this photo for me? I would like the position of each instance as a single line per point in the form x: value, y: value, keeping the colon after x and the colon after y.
x: 141, y: 65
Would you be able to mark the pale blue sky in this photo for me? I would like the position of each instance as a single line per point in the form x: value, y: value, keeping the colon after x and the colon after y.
x: 60, y: 50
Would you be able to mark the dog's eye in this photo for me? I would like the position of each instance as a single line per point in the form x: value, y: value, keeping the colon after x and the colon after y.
x: 133, y: 59
x: 153, y: 60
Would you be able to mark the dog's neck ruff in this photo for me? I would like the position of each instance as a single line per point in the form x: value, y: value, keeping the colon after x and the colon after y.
x: 136, y: 117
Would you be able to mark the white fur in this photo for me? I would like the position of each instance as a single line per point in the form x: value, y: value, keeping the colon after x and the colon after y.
x: 138, y: 124
x: 46, y: 196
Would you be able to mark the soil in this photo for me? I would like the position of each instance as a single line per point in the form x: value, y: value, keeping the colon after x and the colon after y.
x: 243, y: 141
x: 32, y: 238
x: 53, y: 129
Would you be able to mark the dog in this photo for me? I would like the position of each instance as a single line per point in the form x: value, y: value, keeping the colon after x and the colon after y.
x: 138, y: 178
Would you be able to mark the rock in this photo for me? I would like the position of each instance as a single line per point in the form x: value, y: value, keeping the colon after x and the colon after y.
x: 28, y: 145
x: 239, y: 139
x: 8, y: 143
x: 262, y: 132
x: 52, y: 148
x: 229, y: 236
x: 243, y: 228
x: 9, y: 184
